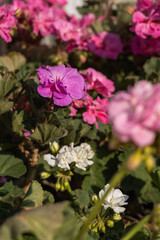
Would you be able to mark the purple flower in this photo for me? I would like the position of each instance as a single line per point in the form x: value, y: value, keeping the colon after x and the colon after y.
x: 3, y: 179
x: 61, y: 83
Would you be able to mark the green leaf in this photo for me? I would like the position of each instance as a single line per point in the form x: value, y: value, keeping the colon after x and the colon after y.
x: 142, y: 234
x: 6, y: 84
x: 81, y: 197
x: 12, y: 61
x: 17, y: 120
x: 155, y: 174
x: 35, y: 196
x: 11, y: 166
x: 10, y: 193
x: 5, y: 106
x: 43, y: 222
x: 45, y: 133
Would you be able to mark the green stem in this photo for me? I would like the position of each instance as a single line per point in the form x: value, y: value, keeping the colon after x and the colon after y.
x: 117, y: 178
x: 135, y: 229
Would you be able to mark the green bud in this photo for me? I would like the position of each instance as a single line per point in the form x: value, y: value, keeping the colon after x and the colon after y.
x: 45, y: 175
x: 94, y: 198
x: 95, y: 229
x: 149, y: 163
x: 62, y: 188
x: 66, y: 183
x: 54, y: 147
x: 116, y: 217
x: 103, y: 229
x: 110, y: 223
x: 57, y: 186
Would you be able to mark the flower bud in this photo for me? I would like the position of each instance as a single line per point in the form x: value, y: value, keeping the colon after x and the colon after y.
x: 45, y: 175
x: 66, y: 183
x: 94, y: 198
x: 134, y: 160
x: 95, y: 229
x: 116, y: 217
x: 149, y: 163
x: 62, y: 188
x: 110, y: 223
x: 54, y: 147
x: 103, y: 229
x: 57, y: 186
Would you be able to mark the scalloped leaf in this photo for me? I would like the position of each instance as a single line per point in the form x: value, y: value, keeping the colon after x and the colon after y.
x: 12, y: 61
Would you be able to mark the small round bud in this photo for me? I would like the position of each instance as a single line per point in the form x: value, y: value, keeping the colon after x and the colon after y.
x: 94, y: 198
x: 66, y: 183
x: 116, y: 217
x: 134, y: 160
x: 149, y: 163
x: 62, y: 188
x: 57, y: 186
x: 95, y: 229
x: 45, y: 175
x: 110, y: 223
x: 54, y: 147
x: 103, y: 229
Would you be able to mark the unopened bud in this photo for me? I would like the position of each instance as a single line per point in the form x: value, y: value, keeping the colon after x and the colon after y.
x: 116, y: 217
x: 66, y: 183
x: 62, y: 188
x: 45, y: 175
x: 54, y: 147
x: 95, y: 229
x: 57, y: 186
x: 94, y: 198
x: 103, y: 229
x: 110, y: 223
x: 149, y: 163
x: 134, y: 160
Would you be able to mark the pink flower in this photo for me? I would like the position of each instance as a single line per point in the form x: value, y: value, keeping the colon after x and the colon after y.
x: 59, y: 2
x: 149, y: 46
x: 96, y: 109
x: 61, y: 83
x: 146, y: 19
x: 7, y: 22
x: 135, y: 114
x: 105, y: 45
x: 99, y: 82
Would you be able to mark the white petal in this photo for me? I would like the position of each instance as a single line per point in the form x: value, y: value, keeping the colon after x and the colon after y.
x: 50, y: 159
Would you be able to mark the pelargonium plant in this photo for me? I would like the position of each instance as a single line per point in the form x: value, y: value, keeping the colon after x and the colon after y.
x: 79, y: 120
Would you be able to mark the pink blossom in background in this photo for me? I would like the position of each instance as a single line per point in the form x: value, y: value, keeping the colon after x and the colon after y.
x: 105, y: 45
x: 141, y: 46
x: 62, y: 83
x: 59, y: 2
x: 96, y: 109
x: 146, y: 19
x: 7, y: 22
x: 135, y: 115
x: 99, y: 82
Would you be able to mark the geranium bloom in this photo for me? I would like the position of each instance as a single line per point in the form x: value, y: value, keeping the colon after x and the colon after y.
x: 105, y: 45
x: 96, y: 80
x: 61, y: 83
x: 80, y: 155
x: 7, y: 22
x: 96, y: 109
x: 146, y: 19
x: 135, y: 114
x: 115, y: 199
x: 149, y: 46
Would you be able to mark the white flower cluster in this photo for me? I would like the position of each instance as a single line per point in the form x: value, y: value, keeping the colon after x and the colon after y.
x: 80, y: 155
x: 115, y: 199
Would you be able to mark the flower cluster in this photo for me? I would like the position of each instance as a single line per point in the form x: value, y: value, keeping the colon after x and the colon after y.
x: 146, y: 19
x: 105, y: 45
x: 7, y: 22
x: 114, y: 200
x: 79, y: 155
x: 135, y: 114
x: 94, y: 108
x: 62, y: 83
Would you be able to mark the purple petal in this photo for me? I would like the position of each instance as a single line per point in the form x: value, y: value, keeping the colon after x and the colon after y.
x: 44, y: 91
x: 62, y: 101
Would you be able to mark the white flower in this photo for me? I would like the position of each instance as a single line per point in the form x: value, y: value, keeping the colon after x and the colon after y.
x: 83, y: 153
x: 64, y: 159
x: 115, y: 199
x: 51, y: 160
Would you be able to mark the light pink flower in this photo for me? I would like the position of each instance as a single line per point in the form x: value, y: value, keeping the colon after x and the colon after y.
x: 135, y: 114
x: 96, y: 80
x: 96, y: 109
x: 105, y: 45
x: 7, y: 22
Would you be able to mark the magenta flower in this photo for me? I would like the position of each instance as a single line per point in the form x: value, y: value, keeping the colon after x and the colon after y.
x: 61, y: 83
x: 105, y: 45
x: 96, y: 109
x: 135, y: 114
x: 7, y: 22
x: 96, y: 80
